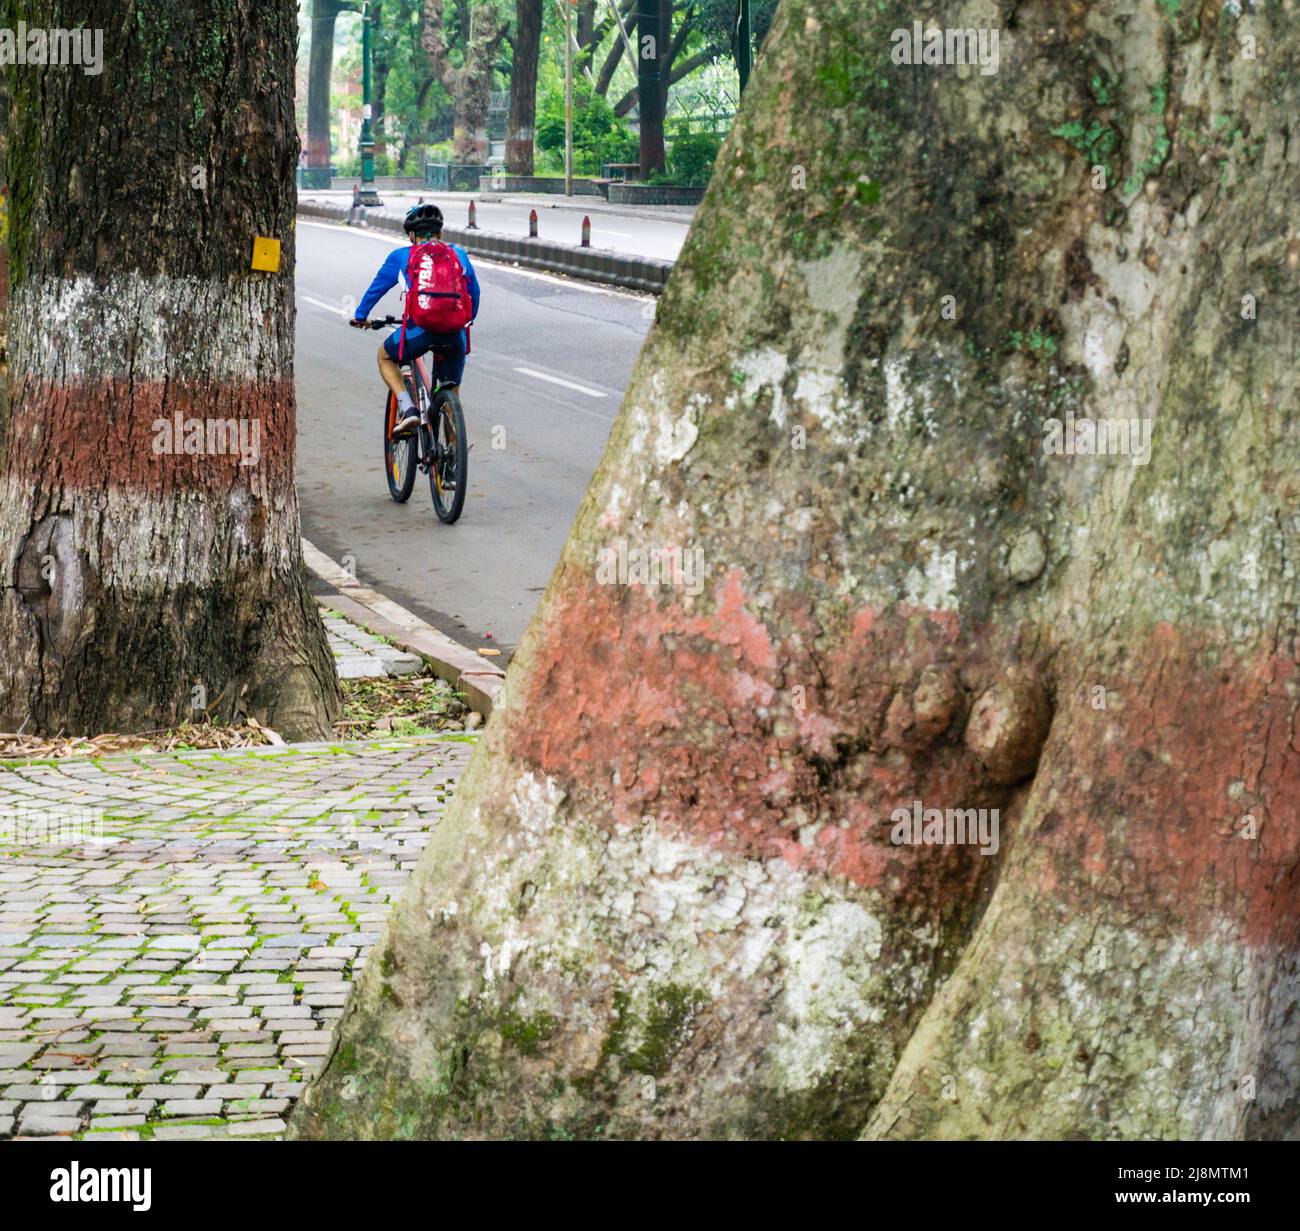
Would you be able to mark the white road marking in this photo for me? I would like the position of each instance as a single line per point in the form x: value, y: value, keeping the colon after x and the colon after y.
x: 502, y: 375
x: 329, y: 307
x: 568, y: 384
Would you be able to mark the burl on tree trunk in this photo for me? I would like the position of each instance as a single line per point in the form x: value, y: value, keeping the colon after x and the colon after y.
x: 693, y: 883
x: 149, y: 542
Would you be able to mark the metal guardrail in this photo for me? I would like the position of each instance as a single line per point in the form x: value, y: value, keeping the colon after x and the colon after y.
x: 455, y: 176
x: 637, y: 273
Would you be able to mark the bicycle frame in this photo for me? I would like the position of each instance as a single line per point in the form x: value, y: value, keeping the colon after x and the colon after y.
x: 431, y: 453
x: 423, y: 374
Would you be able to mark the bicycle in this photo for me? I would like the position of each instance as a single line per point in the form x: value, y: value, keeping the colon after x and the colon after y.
x: 438, y: 446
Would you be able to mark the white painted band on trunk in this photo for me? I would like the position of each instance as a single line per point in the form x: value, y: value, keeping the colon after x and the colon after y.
x: 803, y: 947
x: 147, y: 328
x: 137, y: 542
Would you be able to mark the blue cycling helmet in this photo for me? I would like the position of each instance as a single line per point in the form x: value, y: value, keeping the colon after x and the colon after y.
x: 423, y: 220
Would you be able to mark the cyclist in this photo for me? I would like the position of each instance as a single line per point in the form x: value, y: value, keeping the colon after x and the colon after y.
x: 423, y: 222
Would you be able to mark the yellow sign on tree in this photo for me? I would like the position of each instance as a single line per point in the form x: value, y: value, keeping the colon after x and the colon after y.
x: 266, y: 254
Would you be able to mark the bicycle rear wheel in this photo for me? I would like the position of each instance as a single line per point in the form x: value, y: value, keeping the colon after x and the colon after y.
x: 400, y: 456
x: 450, y: 469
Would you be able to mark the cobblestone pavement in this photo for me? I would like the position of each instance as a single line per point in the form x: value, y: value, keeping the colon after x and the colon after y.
x: 359, y: 655
x: 178, y: 932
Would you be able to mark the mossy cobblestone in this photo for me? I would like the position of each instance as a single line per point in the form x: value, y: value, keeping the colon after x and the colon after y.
x: 190, y: 946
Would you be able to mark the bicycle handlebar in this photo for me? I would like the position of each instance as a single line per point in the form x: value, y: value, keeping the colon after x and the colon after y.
x: 387, y: 323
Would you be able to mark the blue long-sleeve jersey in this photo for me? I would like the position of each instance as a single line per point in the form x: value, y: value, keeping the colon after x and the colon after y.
x: 394, y: 267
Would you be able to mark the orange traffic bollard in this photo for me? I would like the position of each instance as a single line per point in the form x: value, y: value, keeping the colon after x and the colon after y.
x: 473, y: 217
x: 586, y: 230
x: 532, y: 224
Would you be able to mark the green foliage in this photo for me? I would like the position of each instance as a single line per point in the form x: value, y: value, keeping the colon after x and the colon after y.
x: 599, y: 136
x: 691, y: 158
x: 1103, y: 88
x: 716, y: 20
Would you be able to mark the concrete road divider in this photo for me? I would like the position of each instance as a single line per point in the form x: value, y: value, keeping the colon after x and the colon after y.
x: 637, y: 273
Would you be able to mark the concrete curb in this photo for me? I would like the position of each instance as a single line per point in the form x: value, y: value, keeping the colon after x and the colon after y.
x: 637, y: 273
x: 684, y: 214
x: 461, y: 667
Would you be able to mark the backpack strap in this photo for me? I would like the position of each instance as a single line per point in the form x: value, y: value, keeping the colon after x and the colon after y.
x: 406, y: 301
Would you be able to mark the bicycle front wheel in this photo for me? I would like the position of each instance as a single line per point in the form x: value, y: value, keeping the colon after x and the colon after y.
x: 449, y: 470
x: 400, y: 456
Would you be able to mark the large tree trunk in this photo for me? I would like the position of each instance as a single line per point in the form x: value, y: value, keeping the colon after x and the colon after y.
x: 668, y: 899
x: 148, y: 573
x: 523, y: 87
x: 320, y: 66
x: 653, y: 29
x: 469, y: 84
x: 4, y: 260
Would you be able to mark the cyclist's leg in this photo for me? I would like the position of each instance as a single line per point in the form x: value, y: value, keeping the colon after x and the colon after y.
x: 449, y: 363
x: 390, y: 370
x: 388, y: 367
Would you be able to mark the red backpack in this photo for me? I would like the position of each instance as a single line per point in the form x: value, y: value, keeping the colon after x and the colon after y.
x: 438, y: 297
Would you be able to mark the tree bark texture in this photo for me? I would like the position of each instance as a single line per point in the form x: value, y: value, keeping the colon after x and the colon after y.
x: 523, y: 87
x: 470, y: 84
x: 669, y: 899
x: 150, y: 559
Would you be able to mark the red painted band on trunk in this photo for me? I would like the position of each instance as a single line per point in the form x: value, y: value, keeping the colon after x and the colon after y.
x: 698, y: 717
x: 694, y: 714
x: 122, y: 434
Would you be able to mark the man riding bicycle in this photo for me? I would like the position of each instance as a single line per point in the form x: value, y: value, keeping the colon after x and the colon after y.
x: 422, y: 223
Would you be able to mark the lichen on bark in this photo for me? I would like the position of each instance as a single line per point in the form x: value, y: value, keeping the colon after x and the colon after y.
x: 899, y: 275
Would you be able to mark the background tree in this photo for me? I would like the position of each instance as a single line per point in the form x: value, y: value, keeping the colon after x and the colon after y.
x: 384, y: 36
x: 717, y: 21
x: 599, y: 137
x: 396, y: 32
x: 479, y: 33
x: 141, y: 581
x: 666, y: 900
x: 615, y: 55
x: 653, y: 44
x: 663, y: 63
x: 523, y: 86
x: 324, y: 14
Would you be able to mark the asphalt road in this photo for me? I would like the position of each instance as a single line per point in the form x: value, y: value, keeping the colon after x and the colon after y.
x: 549, y: 361
x: 623, y: 231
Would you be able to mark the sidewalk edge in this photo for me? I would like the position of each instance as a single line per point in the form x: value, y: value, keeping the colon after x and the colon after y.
x: 461, y: 667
